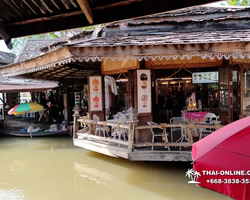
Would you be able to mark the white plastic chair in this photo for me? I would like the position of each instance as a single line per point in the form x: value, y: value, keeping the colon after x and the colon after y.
x: 121, y: 118
x: 98, y: 128
x: 209, y: 118
x: 178, y: 120
x: 156, y: 134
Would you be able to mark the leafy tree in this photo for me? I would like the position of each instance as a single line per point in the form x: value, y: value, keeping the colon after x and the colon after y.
x: 18, y: 42
x: 238, y: 2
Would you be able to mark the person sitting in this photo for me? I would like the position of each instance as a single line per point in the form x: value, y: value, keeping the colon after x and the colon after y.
x: 54, y: 109
x: 43, y: 102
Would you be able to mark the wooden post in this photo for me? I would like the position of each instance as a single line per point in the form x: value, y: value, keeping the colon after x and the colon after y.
x: 65, y: 105
x: 3, y: 107
x: 131, y: 132
x: 76, y: 116
x: 241, y: 92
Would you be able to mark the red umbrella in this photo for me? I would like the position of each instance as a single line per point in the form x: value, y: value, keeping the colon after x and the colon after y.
x: 223, y: 160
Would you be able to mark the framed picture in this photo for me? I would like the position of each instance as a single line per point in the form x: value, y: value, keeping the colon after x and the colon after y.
x: 95, y: 93
x: 144, y: 91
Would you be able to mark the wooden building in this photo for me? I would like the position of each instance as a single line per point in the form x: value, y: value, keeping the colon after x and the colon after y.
x: 159, y: 46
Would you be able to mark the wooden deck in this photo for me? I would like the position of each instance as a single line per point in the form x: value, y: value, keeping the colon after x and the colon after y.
x: 134, y: 151
x: 139, y: 154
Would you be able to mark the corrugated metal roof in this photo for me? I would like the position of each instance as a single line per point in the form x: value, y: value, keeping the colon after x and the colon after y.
x: 31, y: 48
x: 173, y: 38
x: 6, y: 58
x: 197, y: 13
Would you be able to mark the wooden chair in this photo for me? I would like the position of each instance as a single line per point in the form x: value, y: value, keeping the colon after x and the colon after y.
x: 154, y: 134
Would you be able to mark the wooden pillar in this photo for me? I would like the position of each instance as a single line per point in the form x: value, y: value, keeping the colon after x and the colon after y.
x: 131, y: 132
x: 3, y: 110
x: 154, y: 94
x: 230, y: 93
x: 76, y: 123
x: 225, y: 114
x: 142, y: 135
x: 65, y: 105
x: 131, y: 88
x: 241, y: 92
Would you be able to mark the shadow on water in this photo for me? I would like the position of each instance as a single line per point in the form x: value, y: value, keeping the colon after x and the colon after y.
x: 166, y: 179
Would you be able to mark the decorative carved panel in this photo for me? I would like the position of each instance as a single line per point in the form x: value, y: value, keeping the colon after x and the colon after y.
x: 177, y: 63
x: 118, y: 66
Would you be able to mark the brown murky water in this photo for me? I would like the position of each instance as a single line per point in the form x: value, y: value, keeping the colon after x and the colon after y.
x: 53, y: 169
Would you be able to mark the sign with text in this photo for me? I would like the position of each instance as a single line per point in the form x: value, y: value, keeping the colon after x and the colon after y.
x: 144, y: 91
x: 205, y: 77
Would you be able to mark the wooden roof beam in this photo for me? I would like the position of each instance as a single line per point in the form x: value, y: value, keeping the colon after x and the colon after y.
x: 84, y: 5
x: 4, y: 34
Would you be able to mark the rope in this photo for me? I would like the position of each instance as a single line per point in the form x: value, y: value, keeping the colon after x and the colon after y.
x: 174, y: 73
x: 106, y: 126
x: 83, y: 122
x: 118, y: 126
x: 188, y: 71
x: 164, y: 132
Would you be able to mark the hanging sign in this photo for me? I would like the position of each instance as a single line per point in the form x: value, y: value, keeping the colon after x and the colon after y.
x: 144, y: 91
x: 95, y: 93
x: 205, y: 77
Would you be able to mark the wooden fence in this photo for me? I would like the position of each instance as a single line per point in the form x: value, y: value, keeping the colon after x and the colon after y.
x: 89, y: 126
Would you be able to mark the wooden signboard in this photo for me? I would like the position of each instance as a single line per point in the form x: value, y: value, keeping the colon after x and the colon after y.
x: 95, y: 93
x: 144, y: 91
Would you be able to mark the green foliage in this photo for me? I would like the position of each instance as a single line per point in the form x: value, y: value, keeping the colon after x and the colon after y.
x: 238, y: 2
x: 18, y: 42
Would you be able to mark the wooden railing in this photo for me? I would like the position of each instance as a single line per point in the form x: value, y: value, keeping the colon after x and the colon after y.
x: 188, y: 126
x: 89, y: 127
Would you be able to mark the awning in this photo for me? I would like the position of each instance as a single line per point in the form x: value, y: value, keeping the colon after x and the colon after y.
x: 25, y: 88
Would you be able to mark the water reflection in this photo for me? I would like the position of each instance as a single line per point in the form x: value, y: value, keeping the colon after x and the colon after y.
x: 52, y: 168
x: 143, y: 180
x: 11, y: 194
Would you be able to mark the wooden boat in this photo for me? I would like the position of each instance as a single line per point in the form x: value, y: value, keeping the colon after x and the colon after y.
x: 18, y: 132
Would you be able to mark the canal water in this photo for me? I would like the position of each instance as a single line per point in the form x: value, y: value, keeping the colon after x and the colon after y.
x: 53, y: 169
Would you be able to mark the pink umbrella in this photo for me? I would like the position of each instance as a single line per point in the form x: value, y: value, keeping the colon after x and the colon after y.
x: 225, y: 151
x: 12, y: 110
